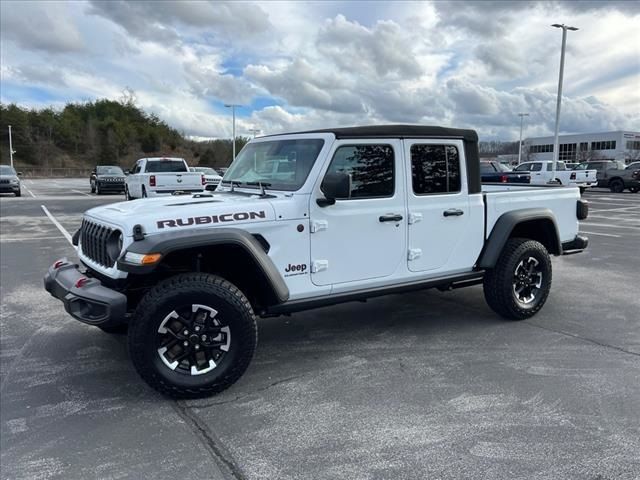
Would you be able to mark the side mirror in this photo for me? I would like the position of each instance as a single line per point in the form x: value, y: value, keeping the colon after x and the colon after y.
x: 127, y: 172
x: 19, y: 174
x: 335, y: 186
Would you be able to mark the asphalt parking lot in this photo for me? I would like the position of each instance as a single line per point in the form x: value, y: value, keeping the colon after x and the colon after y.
x: 427, y: 385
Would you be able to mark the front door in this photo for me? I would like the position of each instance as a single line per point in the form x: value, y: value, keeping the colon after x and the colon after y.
x: 363, y: 236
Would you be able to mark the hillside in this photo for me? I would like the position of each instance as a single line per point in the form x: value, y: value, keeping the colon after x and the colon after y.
x: 82, y: 135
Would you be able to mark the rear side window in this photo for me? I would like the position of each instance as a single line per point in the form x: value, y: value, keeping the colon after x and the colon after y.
x: 159, y: 166
x: 371, y: 168
x: 435, y: 169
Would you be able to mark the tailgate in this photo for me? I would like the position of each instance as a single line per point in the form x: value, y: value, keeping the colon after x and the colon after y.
x: 178, y: 180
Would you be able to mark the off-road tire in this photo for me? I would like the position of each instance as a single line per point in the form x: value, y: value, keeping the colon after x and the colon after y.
x: 98, y: 191
x: 121, y: 329
x: 192, y: 288
x: 499, y: 281
x: 616, y: 185
x: 18, y: 193
x: 144, y: 192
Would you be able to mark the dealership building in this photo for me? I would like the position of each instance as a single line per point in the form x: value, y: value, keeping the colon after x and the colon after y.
x: 618, y: 145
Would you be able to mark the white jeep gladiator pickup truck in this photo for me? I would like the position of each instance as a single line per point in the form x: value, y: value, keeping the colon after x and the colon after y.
x: 150, y: 177
x: 363, y: 212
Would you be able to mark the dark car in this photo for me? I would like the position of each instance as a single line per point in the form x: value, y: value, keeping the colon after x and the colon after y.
x: 495, y: 172
x: 9, y: 181
x: 613, y: 175
x: 107, y: 178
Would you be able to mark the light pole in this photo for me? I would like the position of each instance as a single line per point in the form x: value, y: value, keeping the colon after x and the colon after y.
x: 11, y: 150
x: 555, y: 140
x: 521, y: 115
x: 255, y: 131
x: 233, y: 106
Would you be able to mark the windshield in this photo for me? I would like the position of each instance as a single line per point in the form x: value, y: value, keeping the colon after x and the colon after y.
x: 109, y: 171
x: 282, y: 164
x: 159, y: 166
x: 6, y: 170
x: 502, y: 167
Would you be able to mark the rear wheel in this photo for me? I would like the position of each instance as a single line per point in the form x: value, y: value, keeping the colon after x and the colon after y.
x: 518, y: 286
x: 144, y: 192
x: 192, y: 335
x: 582, y: 190
x: 616, y: 185
x: 93, y: 187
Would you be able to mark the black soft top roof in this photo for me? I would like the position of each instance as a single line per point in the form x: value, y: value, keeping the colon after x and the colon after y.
x: 386, y: 131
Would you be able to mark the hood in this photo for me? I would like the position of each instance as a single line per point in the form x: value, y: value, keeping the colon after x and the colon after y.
x: 180, y: 212
x: 9, y: 177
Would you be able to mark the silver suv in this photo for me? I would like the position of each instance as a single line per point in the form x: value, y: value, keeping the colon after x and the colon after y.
x: 9, y: 181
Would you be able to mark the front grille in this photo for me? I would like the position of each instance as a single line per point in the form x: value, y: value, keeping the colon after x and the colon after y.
x: 4, y: 181
x: 111, y: 179
x: 93, y: 238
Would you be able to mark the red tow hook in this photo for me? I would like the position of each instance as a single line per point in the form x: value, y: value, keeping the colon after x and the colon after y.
x: 81, y: 282
x: 58, y: 264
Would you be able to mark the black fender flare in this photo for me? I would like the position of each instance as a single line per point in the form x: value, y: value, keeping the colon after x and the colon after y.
x: 165, y: 243
x: 505, y: 225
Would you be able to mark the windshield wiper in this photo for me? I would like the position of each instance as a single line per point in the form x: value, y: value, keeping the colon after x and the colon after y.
x: 232, y: 183
x: 261, y: 185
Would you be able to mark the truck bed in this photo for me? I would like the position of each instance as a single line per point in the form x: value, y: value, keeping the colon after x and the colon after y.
x: 500, y: 199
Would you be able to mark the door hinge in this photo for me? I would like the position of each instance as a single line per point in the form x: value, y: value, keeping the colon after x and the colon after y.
x: 414, y: 218
x: 317, y: 225
x: 319, y: 266
x: 414, y: 253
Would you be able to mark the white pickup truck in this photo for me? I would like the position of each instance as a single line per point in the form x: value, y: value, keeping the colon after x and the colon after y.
x: 362, y: 212
x: 150, y: 177
x: 542, y: 171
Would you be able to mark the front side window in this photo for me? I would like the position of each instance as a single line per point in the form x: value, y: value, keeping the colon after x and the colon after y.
x: 523, y: 167
x: 371, y: 168
x: 6, y: 170
x: 278, y: 164
x: 435, y: 169
x: 536, y: 167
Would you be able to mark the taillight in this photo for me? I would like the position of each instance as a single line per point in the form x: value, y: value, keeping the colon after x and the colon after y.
x: 503, y: 178
x: 573, y: 175
x: 152, y: 181
x: 202, y: 177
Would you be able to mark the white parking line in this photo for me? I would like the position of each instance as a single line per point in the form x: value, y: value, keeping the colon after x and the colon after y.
x: 29, y: 191
x: 82, y: 193
x: 603, y: 234
x: 605, y: 225
x: 57, y: 224
x: 26, y: 239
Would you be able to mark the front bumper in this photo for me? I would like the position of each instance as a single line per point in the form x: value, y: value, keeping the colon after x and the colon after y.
x: 90, y: 301
x: 9, y: 187
x: 576, y: 245
x: 111, y: 186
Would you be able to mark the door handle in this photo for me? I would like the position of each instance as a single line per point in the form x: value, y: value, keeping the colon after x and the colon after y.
x: 393, y: 217
x: 452, y: 212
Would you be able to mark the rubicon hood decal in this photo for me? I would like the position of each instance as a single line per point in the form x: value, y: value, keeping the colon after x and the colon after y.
x: 204, y: 219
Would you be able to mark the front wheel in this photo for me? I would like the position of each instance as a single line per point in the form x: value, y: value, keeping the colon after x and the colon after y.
x: 192, y: 335
x: 93, y: 187
x: 518, y: 286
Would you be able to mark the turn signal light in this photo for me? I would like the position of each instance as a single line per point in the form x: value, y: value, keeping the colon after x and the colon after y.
x: 150, y: 258
x: 81, y: 282
x: 152, y: 181
x: 142, y: 259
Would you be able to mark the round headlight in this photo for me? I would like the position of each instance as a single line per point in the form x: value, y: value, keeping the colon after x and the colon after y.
x: 114, y: 245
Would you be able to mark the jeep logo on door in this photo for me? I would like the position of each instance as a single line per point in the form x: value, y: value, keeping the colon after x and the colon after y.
x: 226, y: 217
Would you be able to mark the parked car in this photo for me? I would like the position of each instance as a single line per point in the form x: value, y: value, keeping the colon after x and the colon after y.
x: 107, y: 178
x: 9, y: 180
x: 613, y: 175
x: 364, y: 212
x: 542, y: 171
x: 150, y: 177
x: 211, y: 178
x: 496, y: 172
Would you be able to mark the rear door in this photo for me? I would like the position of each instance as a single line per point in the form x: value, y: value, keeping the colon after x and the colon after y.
x: 444, y: 234
x: 361, y: 237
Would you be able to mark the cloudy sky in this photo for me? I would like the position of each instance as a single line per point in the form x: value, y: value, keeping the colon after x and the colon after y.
x: 317, y: 64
